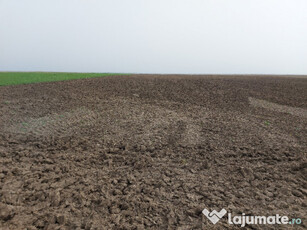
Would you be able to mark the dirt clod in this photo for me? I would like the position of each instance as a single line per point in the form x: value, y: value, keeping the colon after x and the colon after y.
x: 6, y: 212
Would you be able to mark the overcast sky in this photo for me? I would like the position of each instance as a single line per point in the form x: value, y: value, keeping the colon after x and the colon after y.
x: 154, y: 36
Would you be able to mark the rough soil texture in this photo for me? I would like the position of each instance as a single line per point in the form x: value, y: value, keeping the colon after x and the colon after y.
x: 152, y: 151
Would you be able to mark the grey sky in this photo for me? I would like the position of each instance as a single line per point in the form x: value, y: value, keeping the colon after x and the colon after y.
x: 154, y: 36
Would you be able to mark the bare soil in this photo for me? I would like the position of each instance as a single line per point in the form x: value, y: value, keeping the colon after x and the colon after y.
x: 152, y: 151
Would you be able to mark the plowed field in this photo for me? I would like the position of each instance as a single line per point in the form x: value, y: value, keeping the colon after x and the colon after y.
x: 152, y: 151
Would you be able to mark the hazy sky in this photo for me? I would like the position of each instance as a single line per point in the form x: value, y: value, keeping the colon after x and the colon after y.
x: 154, y: 36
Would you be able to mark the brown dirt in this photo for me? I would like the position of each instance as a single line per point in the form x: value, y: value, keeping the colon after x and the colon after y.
x: 151, y: 152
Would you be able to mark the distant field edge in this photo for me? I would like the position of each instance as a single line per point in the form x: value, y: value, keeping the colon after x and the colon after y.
x: 19, y: 78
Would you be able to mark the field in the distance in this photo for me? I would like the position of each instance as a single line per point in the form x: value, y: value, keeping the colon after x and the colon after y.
x: 17, y: 78
x: 152, y: 151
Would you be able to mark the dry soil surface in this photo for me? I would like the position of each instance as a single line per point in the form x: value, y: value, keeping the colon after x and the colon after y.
x: 152, y: 151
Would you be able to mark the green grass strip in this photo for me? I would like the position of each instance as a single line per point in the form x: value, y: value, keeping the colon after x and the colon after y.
x: 16, y: 78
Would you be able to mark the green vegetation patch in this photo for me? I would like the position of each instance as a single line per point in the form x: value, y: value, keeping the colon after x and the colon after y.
x: 16, y: 78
